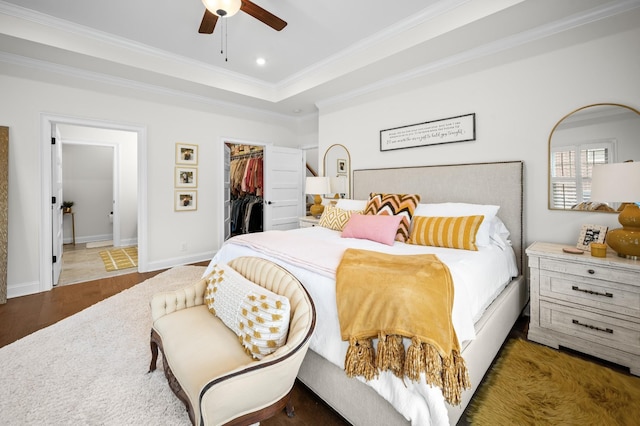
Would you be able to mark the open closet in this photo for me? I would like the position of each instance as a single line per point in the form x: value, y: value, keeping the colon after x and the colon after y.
x: 266, y: 195
x: 246, y: 179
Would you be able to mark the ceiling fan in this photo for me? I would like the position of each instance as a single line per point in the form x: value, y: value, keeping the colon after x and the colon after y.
x: 227, y: 8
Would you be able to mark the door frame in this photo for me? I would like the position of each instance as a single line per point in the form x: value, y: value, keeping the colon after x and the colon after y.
x: 234, y: 141
x: 46, y: 227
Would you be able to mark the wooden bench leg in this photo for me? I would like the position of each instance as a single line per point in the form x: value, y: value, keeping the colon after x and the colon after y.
x: 289, y: 409
x: 154, y: 353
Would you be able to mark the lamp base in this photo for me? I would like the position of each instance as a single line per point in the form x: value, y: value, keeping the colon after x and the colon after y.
x: 317, y: 208
x: 626, y: 240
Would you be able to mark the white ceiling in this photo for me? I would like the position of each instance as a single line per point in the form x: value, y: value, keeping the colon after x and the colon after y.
x: 330, y: 49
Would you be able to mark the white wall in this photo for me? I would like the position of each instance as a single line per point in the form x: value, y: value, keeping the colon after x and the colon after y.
x: 93, y: 219
x: 167, y: 121
x: 87, y: 180
x: 516, y: 105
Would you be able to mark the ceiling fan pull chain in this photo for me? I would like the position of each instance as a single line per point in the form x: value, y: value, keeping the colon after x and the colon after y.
x: 226, y: 42
x: 222, y: 40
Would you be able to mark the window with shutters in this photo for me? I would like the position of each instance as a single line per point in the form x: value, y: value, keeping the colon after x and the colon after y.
x: 571, y: 170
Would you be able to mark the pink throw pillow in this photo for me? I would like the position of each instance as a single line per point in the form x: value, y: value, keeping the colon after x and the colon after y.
x: 379, y: 228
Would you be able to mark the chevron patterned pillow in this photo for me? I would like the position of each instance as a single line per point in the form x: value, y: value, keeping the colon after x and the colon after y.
x: 394, y: 204
x: 335, y: 218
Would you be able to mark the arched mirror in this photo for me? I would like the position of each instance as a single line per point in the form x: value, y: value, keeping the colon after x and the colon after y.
x: 594, y: 134
x: 337, y: 166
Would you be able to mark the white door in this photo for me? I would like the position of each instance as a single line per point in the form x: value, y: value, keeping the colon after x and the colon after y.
x: 56, y: 203
x: 227, y: 191
x: 283, y: 187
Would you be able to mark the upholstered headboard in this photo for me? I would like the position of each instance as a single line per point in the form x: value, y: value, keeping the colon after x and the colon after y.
x: 498, y: 183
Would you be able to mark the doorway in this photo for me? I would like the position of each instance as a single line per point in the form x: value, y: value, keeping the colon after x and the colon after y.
x: 283, y: 198
x: 128, y: 206
x: 94, y: 162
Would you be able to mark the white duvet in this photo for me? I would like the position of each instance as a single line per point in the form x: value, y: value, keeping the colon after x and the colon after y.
x: 312, y: 254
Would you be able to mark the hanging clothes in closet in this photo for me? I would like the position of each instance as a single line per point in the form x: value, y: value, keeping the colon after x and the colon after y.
x: 246, y: 180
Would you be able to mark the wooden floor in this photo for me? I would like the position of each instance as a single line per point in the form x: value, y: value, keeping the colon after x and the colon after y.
x: 21, y: 316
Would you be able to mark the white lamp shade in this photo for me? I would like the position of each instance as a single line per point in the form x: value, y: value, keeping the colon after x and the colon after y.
x: 224, y: 8
x: 617, y: 182
x: 318, y: 185
x: 339, y: 184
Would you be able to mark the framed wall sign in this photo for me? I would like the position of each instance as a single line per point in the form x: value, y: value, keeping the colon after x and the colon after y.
x: 591, y: 234
x: 342, y: 166
x: 455, y: 129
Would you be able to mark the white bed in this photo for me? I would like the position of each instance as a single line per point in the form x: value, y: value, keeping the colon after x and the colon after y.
x: 481, y: 321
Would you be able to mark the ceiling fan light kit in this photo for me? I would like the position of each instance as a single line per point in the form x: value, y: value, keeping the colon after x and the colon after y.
x: 223, y: 8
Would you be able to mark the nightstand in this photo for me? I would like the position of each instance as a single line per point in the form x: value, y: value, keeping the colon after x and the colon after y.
x: 586, y: 303
x: 308, y: 221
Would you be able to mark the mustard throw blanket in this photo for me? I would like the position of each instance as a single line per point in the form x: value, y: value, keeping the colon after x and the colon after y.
x: 394, y: 296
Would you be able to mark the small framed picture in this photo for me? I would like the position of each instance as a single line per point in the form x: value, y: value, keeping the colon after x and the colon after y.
x: 186, y: 154
x: 591, y: 234
x: 342, y: 166
x: 186, y: 177
x: 186, y: 201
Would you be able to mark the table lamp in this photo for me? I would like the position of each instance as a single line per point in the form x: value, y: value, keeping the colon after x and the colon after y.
x: 339, y: 186
x: 316, y: 186
x: 620, y: 182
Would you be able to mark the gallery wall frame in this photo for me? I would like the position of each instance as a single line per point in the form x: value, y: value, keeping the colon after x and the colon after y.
x: 186, y: 200
x: 186, y: 177
x: 186, y: 154
x: 461, y: 128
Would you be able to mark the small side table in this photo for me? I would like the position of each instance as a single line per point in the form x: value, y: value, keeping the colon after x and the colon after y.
x: 73, y: 226
x: 308, y: 221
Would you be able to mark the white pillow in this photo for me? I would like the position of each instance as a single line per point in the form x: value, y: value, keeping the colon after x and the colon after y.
x: 463, y: 209
x: 499, y: 234
x: 259, y: 317
x: 347, y: 204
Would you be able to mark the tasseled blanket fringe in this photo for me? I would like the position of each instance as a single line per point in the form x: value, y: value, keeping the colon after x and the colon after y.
x: 449, y: 373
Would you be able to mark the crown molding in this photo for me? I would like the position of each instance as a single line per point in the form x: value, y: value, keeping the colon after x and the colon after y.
x: 95, y: 77
x: 507, y: 43
x: 260, y: 88
x: 426, y: 15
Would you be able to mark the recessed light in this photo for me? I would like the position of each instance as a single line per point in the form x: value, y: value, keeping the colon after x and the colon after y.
x: 261, y: 61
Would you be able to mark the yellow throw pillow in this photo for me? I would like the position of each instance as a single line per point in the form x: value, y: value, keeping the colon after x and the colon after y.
x: 259, y: 317
x: 451, y: 232
x: 335, y: 218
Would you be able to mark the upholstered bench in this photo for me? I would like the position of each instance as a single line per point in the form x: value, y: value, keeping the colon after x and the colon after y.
x: 214, y: 373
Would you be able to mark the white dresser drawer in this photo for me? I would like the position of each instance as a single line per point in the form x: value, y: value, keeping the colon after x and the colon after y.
x: 596, y: 328
x: 591, y: 270
x: 606, y: 295
x: 585, y: 303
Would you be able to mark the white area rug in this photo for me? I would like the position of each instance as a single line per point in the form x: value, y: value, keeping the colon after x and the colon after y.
x: 91, y: 368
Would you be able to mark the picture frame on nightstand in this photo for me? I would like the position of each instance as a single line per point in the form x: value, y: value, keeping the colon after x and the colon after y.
x: 591, y: 234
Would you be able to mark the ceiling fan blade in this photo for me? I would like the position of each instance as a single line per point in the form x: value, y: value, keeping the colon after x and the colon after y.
x: 208, y: 23
x: 262, y: 15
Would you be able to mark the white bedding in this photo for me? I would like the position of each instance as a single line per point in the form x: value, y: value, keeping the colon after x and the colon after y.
x: 478, y: 277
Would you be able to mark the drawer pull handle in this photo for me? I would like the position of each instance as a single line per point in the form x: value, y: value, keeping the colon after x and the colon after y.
x: 593, y: 327
x: 595, y: 293
x: 591, y: 271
